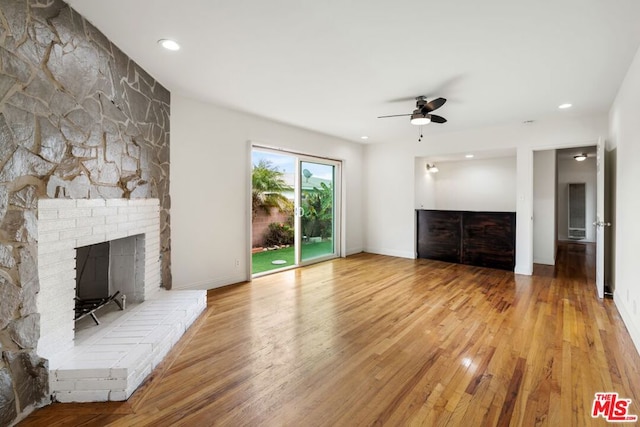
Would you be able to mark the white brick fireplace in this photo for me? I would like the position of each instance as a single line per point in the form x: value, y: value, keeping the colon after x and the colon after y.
x: 64, y: 225
x: 111, y: 364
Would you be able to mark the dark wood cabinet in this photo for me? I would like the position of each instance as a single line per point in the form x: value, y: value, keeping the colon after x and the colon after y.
x: 485, y: 239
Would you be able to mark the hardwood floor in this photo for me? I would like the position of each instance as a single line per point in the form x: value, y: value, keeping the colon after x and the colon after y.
x: 376, y: 340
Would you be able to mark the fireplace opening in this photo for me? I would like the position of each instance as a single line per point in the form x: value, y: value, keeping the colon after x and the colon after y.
x: 92, y: 271
x: 109, y: 277
x: 92, y: 281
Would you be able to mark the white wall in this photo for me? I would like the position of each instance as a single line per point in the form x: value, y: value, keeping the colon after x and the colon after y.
x: 389, y: 201
x: 476, y: 185
x: 425, y: 186
x: 544, y: 207
x: 210, y: 170
x: 572, y: 172
x: 389, y: 181
x: 625, y: 138
x: 524, y: 211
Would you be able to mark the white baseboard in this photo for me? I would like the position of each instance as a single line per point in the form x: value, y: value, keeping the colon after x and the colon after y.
x: 353, y: 251
x: 211, y: 283
x: 526, y: 271
x: 391, y: 252
x: 545, y: 261
x: 627, y: 318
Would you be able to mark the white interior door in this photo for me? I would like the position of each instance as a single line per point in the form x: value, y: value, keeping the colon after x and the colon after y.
x: 601, y: 222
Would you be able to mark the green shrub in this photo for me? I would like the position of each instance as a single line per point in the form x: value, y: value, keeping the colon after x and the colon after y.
x: 318, y: 211
x: 279, y: 234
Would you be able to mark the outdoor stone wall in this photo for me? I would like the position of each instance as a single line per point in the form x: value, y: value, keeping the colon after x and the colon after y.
x: 261, y: 222
x: 78, y: 120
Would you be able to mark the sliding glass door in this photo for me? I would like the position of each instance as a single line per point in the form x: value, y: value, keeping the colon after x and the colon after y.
x: 317, y: 209
x: 295, y: 212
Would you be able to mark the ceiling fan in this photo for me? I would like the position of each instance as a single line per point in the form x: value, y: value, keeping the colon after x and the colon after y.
x: 422, y: 114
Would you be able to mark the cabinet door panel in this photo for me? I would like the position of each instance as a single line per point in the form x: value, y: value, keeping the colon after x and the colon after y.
x: 488, y: 239
x: 439, y: 235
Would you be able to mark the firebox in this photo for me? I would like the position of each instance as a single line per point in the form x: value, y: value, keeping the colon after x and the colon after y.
x: 109, y: 272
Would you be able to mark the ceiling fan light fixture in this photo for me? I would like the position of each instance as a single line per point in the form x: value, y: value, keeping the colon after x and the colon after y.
x: 422, y: 113
x: 580, y: 157
x: 419, y: 119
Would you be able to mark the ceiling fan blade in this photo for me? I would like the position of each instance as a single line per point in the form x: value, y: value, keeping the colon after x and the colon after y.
x: 394, y: 115
x: 433, y: 105
x: 437, y: 119
x: 403, y: 99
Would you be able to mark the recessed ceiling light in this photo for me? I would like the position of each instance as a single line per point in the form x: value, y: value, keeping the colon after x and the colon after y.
x: 563, y: 106
x: 169, y: 44
x: 469, y: 156
x: 364, y: 137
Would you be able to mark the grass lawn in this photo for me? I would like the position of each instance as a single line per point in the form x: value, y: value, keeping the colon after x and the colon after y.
x: 261, y: 261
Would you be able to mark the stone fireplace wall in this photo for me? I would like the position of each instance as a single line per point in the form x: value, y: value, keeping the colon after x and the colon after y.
x: 78, y: 120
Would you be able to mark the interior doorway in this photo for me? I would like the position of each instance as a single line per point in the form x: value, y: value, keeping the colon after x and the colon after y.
x: 582, y: 205
x: 295, y: 210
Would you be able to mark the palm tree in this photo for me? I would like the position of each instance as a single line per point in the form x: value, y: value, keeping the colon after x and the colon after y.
x: 318, y: 211
x: 267, y: 188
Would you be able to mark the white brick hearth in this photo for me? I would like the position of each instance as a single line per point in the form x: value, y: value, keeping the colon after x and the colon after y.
x: 113, y: 362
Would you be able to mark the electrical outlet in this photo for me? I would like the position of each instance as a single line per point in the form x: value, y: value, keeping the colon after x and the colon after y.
x: 237, y: 263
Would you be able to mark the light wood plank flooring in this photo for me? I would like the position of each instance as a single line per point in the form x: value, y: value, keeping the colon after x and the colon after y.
x: 376, y: 340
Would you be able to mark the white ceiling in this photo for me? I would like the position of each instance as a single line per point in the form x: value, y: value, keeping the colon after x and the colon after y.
x: 569, y: 153
x: 477, y: 155
x: 333, y: 66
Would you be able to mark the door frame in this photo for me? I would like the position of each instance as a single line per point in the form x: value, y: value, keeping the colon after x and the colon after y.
x: 601, y: 222
x: 337, y: 208
x: 528, y: 191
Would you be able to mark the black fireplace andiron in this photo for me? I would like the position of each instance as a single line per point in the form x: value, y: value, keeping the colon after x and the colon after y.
x: 87, y: 307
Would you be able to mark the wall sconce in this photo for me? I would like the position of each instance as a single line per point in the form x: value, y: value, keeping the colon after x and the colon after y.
x: 432, y: 168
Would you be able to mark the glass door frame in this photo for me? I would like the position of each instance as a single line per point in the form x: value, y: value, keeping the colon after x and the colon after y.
x: 337, y: 207
x: 336, y: 234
